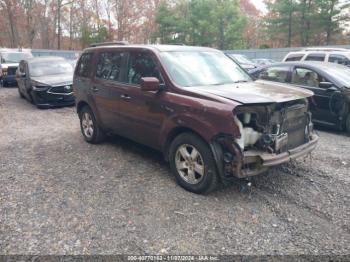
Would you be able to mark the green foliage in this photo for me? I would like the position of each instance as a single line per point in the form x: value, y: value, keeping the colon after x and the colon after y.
x: 91, y: 35
x: 306, y: 22
x: 264, y: 46
x: 217, y: 23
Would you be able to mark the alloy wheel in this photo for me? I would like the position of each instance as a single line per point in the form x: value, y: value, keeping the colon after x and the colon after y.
x: 88, y: 125
x: 189, y: 164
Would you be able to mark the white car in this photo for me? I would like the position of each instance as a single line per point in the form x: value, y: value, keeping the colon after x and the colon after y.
x: 331, y: 55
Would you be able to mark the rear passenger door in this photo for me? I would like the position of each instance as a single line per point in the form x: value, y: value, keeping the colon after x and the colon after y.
x: 106, y: 87
x: 141, y: 114
x: 86, y: 87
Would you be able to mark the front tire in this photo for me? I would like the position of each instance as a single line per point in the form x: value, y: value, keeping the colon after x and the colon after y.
x: 193, y: 164
x: 90, y: 129
x: 347, y: 124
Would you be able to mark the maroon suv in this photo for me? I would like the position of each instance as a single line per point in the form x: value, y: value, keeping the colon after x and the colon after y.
x: 207, y: 116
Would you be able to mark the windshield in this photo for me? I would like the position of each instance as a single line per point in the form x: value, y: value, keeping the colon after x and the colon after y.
x: 14, y: 57
x: 202, y: 68
x: 241, y: 59
x: 50, y: 67
x: 342, y: 74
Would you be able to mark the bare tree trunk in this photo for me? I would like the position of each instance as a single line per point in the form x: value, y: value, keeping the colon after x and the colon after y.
x: 329, y: 29
x: 8, y: 6
x: 289, y: 41
x: 28, y: 8
x: 59, y: 5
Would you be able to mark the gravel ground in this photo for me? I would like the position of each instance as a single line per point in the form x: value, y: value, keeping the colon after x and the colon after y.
x: 60, y: 195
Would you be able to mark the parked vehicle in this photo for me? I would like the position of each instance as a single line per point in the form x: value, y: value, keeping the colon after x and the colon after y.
x: 331, y: 55
x: 263, y: 61
x: 197, y: 106
x: 329, y: 82
x: 243, y: 61
x: 9, y: 60
x: 46, y: 81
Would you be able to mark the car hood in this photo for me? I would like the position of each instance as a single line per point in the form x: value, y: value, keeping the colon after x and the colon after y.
x: 257, y: 92
x: 54, y: 80
x: 9, y: 65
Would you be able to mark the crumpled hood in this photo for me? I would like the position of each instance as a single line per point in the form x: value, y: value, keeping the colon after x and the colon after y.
x: 54, y: 80
x: 256, y: 92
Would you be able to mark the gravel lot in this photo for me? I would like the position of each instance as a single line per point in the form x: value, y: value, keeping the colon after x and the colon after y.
x: 60, y: 195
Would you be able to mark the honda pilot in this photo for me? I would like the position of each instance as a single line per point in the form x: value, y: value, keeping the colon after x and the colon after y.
x: 195, y: 105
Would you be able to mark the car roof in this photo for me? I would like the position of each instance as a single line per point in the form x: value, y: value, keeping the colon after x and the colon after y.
x: 159, y: 48
x: 314, y: 64
x: 325, y: 49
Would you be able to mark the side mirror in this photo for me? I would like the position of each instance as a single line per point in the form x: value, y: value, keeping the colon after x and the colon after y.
x: 150, y: 84
x: 325, y: 85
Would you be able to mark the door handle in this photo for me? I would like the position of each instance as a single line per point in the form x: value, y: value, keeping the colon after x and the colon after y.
x: 125, y: 97
x: 94, y: 89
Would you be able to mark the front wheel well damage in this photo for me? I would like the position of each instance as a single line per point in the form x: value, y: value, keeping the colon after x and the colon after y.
x: 228, y: 156
x: 172, y: 135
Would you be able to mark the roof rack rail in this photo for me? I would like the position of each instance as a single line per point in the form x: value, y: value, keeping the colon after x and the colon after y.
x: 327, y: 49
x: 109, y: 43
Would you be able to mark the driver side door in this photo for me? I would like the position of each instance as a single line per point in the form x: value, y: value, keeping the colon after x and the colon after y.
x: 320, y: 103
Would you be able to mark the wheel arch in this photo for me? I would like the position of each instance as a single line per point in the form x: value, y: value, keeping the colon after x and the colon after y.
x: 80, y: 106
x: 176, y: 131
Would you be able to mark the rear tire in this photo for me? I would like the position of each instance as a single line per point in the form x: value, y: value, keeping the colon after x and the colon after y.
x: 90, y: 129
x: 193, y: 164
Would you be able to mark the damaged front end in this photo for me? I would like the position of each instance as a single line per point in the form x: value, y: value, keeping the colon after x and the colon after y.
x: 269, y: 135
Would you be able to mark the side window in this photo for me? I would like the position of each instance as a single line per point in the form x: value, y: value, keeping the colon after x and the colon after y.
x: 306, y: 77
x: 109, y: 65
x: 294, y: 57
x: 142, y: 65
x: 316, y: 57
x: 339, y: 59
x: 275, y: 73
x: 84, y: 64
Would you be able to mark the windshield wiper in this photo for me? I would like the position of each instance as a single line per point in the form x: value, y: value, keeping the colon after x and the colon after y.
x: 222, y: 83
x: 241, y: 81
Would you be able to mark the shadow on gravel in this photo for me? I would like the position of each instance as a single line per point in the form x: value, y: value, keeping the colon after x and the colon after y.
x: 274, y: 181
x: 135, y: 148
x: 331, y: 130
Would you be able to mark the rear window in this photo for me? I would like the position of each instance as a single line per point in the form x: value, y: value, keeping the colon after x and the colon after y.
x: 339, y: 59
x: 294, y: 57
x: 109, y: 65
x: 315, y: 57
x: 84, y: 65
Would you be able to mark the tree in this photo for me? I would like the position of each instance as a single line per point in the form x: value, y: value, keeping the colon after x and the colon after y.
x: 11, y: 7
x: 330, y: 17
x: 217, y: 23
x: 281, y: 18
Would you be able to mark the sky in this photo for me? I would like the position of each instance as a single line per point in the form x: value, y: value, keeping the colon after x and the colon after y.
x: 260, y: 5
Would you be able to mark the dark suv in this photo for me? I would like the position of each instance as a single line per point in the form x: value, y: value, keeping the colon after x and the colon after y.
x: 207, y: 116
